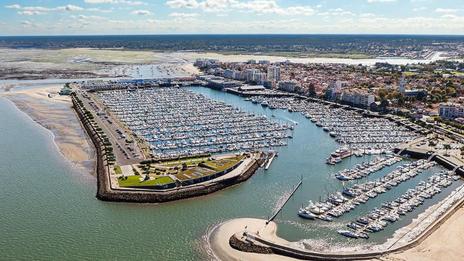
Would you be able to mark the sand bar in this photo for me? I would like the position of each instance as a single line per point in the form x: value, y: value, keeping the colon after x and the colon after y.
x: 56, y: 115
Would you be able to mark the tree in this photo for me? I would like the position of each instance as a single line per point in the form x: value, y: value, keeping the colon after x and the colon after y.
x: 446, y: 147
x: 382, y: 94
x: 311, y: 90
x: 421, y: 96
x: 401, y: 100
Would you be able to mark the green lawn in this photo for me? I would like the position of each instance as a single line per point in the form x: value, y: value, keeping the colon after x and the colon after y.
x: 118, y: 170
x: 409, y: 73
x: 213, y: 166
x: 192, y: 172
x: 134, y: 181
x: 223, y: 164
x: 196, y: 172
x: 192, y: 161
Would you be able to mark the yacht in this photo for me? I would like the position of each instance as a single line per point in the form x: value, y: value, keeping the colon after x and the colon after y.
x: 306, y: 214
x: 348, y: 233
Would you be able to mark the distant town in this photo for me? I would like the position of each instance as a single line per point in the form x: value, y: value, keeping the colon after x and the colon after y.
x: 345, y: 46
x: 425, y: 93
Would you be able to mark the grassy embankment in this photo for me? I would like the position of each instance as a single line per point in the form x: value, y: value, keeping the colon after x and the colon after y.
x: 135, y: 181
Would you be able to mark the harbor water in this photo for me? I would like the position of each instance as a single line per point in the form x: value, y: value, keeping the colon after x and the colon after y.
x: 49, y: 211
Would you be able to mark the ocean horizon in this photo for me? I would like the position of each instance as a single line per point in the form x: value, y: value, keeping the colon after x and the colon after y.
x: 326, y: 43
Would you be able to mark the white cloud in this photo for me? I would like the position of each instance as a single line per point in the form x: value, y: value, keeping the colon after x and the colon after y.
x: 183, y: 3
x: 183, y: 15
x: 93, y: 9
x: 255, y: 6
x: 14, y: 6
x: 27, y: 23
x: 367, y: 23
x: 127, y: 2
x: 418, y: 9
x: 271, y: 7
x: 446, y: 10
x: 449, y: 16
x: 367, y: 15
x: 40, y: 10
x: 30, y: 12
x: 282, y: 17
x: 141, y: 12
x: 336, y: 12
x: 380, y: 1
x: 45, y: 9
x: 89, y: 17
x: 70, y: 8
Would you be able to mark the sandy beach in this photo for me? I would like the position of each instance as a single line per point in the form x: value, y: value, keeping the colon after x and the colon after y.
x: 220, y: 235
x: 56, y: 115
x: 443, y: 244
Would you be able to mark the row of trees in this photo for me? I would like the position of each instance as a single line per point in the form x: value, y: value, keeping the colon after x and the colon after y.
x: 90, y: 119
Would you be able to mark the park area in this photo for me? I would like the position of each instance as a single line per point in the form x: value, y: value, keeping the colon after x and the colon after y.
x: 169, y: 174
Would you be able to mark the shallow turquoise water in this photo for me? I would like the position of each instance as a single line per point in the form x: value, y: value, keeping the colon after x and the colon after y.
x: 49, y: 211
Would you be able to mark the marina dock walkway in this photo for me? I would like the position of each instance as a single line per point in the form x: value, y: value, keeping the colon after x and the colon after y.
x: 270, y: 159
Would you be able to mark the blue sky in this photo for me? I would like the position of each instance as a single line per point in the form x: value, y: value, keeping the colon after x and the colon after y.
x: 77, y: 17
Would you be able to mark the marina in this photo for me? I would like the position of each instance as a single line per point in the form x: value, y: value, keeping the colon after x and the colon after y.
x: 391, y: 211
x: 340, y: 203
x: 356, y: 133
x: 366, y: 168
x: 177, y: 122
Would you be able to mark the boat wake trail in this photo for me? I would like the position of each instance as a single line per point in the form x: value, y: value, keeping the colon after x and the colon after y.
x: 290, y: 120
x: 205, y: 247
x: 313, y: 228
x: 322, y: 245
x: 281, y: 200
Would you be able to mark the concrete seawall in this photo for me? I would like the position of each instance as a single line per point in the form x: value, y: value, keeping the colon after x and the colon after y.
x: 106, y: 193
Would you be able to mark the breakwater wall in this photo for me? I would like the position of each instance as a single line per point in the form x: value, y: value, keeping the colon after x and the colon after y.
x: 106, y: 193
x: 248, y: 246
